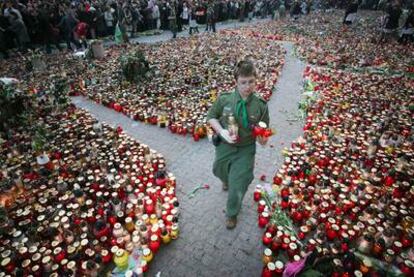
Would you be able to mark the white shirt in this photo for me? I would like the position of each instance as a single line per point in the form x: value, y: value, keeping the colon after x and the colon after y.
x: 109, y: 18
x: 156, y: 12
x: 7, y: 13
x: 184, y: 14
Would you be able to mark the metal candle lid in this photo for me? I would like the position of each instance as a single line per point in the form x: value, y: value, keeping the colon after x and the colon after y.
x: 5, y: 262
x: 26, y: 263
x: 46, y: 260
x: 36, y: 257
x: 71, y: 265
x: 279, y: 265
x: 146, y: 251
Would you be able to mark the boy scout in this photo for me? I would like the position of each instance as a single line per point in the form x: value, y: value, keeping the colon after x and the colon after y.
x: 234, y: 161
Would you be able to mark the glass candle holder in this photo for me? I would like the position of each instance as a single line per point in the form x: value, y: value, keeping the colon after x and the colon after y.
x: 8, y: 265
x: 154, y: 244
x: 397, y: 247
x: 147, y: 255
x: 285, y: 243
x: 263, y: 219
x: 365, y: 266
x: 47, y: 264
x: 165, y: 236
x: 389, y: 256
x: 279, y: 268
x: 267, y: 239
x: 261, y: 206
x: 268, y: 270
x: 106, y: 256
x: 257, y: 195
x: 407, y: 268
x: 292, y: 250
x: 59, y: 254
x: 129, y: 224
x: 121, y: 259
x: 174, y: 231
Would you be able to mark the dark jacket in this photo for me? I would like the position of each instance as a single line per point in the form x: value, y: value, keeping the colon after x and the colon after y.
x: 296, y: 9
x: 17, y: 26
x: 68, y: 23
x: 353, y: 8
x: 394, y: 16
x: 409, y: 23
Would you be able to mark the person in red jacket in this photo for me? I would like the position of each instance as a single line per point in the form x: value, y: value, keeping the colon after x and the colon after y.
x: 81, y: 30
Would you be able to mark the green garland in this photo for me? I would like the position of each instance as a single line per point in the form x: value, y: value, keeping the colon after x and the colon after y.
x: 59, y: 91
x: 279, y: 217
x: 134, y: 67
x: 39, y: 140
x: 14, y: 108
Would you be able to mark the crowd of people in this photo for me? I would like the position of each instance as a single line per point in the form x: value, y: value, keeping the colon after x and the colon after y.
x: 29, y: 23
x: 25, y: 23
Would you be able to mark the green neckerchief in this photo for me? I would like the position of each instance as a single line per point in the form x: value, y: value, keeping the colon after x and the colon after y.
x: 241, y: 109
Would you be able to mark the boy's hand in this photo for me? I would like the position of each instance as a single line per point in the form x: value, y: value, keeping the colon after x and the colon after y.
x: 225, y: 134
x: 262, y: 140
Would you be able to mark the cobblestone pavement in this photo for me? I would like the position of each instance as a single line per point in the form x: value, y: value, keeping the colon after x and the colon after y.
x: 166, y: 35
x: 205, y: 246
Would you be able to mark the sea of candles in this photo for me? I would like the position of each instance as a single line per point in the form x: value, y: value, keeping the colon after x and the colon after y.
x: 346, y: 185
x: 101, y: 196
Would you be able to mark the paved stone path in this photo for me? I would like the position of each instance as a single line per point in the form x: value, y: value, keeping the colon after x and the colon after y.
x: 205, y: 246
x: 167, y: 35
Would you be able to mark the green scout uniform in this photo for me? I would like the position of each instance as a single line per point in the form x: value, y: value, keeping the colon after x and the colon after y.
x: 234, y: 163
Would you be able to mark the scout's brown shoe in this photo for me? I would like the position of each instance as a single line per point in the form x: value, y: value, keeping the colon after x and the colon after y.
x: 225, y: 187
x: 231, y: 222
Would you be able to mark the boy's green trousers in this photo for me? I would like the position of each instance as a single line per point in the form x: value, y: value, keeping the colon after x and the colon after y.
x: 234, y: 166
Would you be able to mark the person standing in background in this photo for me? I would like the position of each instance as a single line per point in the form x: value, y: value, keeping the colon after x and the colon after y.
x: 149, y: 11
x: 50, y: 34
x: 164, y: 15
x: 185, y: 15
x: 172, y: 17
x: 178, y: 4
x: 242, y: 10
x: 295, y: 10
x: 18, y: 27
x: 122, y: 21
x: 10, y: 8
x: 193, y: 22
x: 109, y: 20
x: 391, y: 21
x: 211, y: 17
x: 67, y: 26
x: 351, y: 12
x: 407, y: 32
x: 5, y: 42
x: 156, y: 16
x: 282, y: 10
